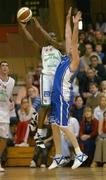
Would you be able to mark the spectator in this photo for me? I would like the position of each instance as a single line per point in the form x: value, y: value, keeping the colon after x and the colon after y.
x: 75, y: 87
x: 100, y: 22
x: 99, y: 50
x: 36, y: 102
x: 25, y: 114
x: 42, y: 146
x: 103, y: 88
x: 88, y: 133
x: 66, y: 145
x: 86, y: 57
x: 77, y: 108
x: 23, y: 91
x: 100, y: 151
x: 94, y: 96
x: 100, y: 69
x: 99, y: 37
x: 87, y: 78
x: 99, y: 110
x: 82, y: 43
x: 90, y: 33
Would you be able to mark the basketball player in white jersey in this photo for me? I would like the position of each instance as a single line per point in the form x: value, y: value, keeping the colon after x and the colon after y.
x: 6, y: 89
x: 51, y: 58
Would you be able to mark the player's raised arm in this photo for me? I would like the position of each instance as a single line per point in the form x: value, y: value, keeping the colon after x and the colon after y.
x: 47, y: 37
x: 74, y: 51
x: 28, y: 35
x: 68, y: 32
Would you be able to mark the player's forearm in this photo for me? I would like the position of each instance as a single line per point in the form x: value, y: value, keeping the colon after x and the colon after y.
x: 74, y: 52
x: 30, y: 38
x: 68, y: 32
x: 46, y: 36
x: 75, y: 36
x: 50, y: 40
x: 68, y: 37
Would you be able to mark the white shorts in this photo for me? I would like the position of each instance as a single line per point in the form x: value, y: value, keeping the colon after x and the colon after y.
x: 46, y: 84
x: 4, y: 130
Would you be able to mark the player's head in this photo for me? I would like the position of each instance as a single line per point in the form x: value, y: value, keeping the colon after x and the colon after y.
x: 53, y: 35
x: 4, y: 68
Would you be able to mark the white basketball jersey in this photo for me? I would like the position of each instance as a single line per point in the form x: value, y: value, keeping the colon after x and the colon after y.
x: 51, y: 58
x: 6, y: 89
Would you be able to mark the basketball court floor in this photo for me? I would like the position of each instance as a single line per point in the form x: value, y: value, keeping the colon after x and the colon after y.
x: 55, y: 174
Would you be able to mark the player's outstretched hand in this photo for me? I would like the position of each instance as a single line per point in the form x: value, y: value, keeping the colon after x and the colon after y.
x: 36, y: 22
x: 22, y: 25
x: 77, y: 17
x: 69, y: 13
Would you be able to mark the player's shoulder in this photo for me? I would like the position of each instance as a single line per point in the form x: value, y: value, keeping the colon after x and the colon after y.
x: 11, y: 80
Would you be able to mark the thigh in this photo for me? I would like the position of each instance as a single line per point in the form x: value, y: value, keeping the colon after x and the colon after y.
x: 4, y: 130
x: 62, y: 112
x: 42, y: 115
x: 46, y: 84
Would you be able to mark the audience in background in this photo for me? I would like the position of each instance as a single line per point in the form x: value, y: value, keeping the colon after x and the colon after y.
x: 100, y: 151
x: 42, y: 147
x: 99, y: 110
x: 25, y: 114
x: 93, y: 96
x: 103, y: 88
x: 101, y: 22
x: 77, y: 108
x: 67, y: 149
x: 88, y: 134
x: 100, y: 69
x: 23, y: 91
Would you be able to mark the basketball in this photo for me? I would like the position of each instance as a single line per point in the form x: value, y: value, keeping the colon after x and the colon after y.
x: 24, y: 14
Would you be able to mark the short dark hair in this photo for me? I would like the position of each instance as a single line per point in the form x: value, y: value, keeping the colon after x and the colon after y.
x: 93, y: 84
x: 3, y: 61
x: 104, y: 113
x: 93, y: 56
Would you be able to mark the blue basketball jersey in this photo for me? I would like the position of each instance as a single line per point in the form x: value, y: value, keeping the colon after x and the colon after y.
x: 62, y: 94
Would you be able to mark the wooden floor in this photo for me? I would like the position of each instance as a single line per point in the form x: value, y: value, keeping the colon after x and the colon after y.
x: 55, y: 174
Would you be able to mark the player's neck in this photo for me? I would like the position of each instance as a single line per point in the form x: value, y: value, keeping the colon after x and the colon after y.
x: 4, y: 77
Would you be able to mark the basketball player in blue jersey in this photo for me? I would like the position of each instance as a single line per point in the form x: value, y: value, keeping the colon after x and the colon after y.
x: 62, y: 95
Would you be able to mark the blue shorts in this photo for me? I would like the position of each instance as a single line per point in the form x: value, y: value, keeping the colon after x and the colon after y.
x: 60, y: 111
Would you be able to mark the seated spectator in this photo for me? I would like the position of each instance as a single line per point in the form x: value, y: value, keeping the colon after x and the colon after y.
x: 77, y: 108
x: 90, y: 33
x: 42, y: 146
x: 66, y: 145
x: 25, y: 114
x: 82, y: 43
x: 100, y: 69
x: 103, y: 88
x: 87, y: 77
x: 100, y: 151
x: 35, y: 100
x: 99, y: 110
x: 99, y: 50
x: 23, y: 91
x: 88, y: 133
x: 99, y: 37
x: 75, y: 87
x: 86, y: 57
x: 100, y: 22
x: 93, y: 96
